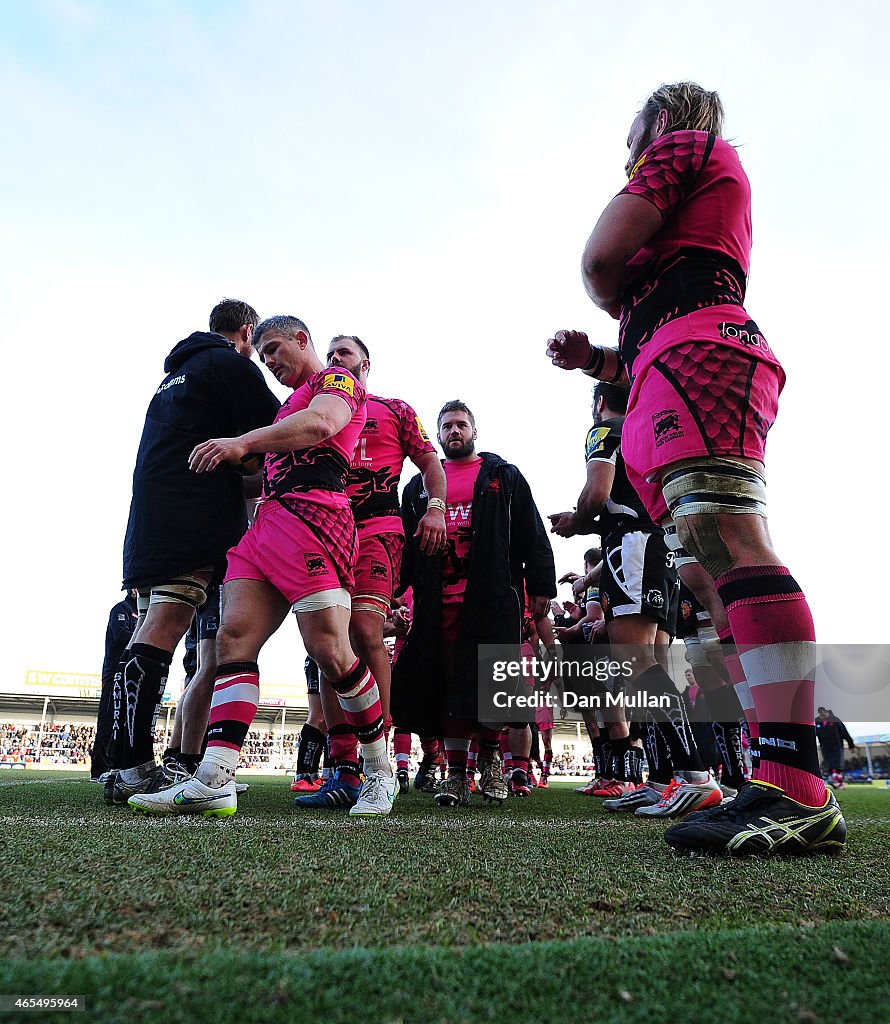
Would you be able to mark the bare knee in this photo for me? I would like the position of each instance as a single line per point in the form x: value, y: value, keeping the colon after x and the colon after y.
x: 233, y: 643
x: 366, y: 634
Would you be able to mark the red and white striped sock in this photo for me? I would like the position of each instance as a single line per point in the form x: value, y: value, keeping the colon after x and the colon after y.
x: 236, y: 695
x: 773, y: 628
x: 401, y: 743
x: 360, y: 700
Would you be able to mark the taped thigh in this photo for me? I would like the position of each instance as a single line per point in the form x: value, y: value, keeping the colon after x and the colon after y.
x: 334, y: 597
x: 706, y: 488
x: 188, y: 589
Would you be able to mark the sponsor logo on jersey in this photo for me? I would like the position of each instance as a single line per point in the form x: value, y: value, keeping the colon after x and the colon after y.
x: 596, y: 440
x: 370, y: 426
x: 655, y: 599
x: 666, y: 426
x: 459, y: 511
x: 316, y: 563
x: 747, y: 333
x: 423, y: 434
x: 339, y: 382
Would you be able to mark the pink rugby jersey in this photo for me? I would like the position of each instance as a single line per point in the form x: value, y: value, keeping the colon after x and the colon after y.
x: 317, y: 473
x: 696, y: 264
x: 392, y: 433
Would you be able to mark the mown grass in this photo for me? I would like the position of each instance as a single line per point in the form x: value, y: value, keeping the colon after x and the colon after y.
x: 519, y: 897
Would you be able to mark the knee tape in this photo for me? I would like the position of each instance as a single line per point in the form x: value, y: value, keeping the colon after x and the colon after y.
x: 710, y: 643
x: 695, y: 653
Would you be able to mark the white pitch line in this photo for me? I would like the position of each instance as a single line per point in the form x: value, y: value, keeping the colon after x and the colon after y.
x: 240, y: 821
x: 39, y: 782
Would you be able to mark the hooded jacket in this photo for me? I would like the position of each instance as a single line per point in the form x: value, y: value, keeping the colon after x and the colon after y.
x: 510, y: 556
x: 180, y: 520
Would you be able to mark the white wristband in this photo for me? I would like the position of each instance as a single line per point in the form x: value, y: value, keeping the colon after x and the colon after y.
x: 436, y: 503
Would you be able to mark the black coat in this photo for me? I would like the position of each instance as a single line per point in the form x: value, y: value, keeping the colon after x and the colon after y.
x: 121, y: 624
x: 180, y: 520
x: 510, y: 555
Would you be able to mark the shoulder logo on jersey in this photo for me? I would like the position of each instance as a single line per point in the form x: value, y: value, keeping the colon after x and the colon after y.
x: 423, y: 434
x: 596, y: 441
x: 666, y: 426
x: 339, y: 382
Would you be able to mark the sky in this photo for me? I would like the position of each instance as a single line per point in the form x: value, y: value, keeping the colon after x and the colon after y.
x: 424, y: 176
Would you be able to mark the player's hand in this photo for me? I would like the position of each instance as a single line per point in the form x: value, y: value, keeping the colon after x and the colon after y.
x: 538, y: 606
x: 207, y: 456
x: 432, y: 533
x: 569, y: 350
x: 562, y: 524
x: 579, y: 587
x: 401, y: 621
x: 599, y: 626
x: 568, y: 577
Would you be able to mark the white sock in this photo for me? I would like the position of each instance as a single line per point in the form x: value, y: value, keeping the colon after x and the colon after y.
x: 218, y: 767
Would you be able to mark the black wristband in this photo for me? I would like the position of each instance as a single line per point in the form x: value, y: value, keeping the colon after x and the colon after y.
x: 594, y: 364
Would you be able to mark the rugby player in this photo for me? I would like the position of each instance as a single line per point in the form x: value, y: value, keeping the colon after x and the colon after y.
x: 497, y: 550
x: 669, y: 258
x: 297, y: 556
x: 392, y: 433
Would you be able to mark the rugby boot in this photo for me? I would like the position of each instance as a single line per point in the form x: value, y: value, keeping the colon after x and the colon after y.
x: 763, y: 820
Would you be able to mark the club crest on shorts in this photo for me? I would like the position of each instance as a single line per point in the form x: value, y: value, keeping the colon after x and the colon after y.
x: 666, y: 426
x: 655, y: 599
x: 379, y: 571
x: 316, y: 563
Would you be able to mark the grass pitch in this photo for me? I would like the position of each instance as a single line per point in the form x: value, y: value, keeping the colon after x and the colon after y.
x: 546, y: 909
